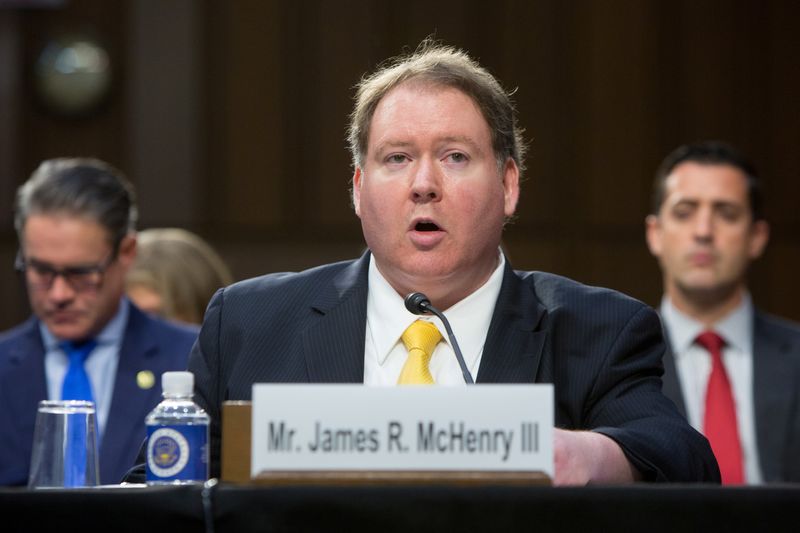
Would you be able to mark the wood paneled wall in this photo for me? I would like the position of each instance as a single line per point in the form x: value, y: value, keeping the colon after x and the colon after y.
x: 231, y: 119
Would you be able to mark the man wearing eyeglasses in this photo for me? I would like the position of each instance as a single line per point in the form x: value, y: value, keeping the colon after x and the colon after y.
x: 75, y: 219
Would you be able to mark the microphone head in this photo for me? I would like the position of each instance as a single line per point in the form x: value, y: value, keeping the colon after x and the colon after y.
x: 417, y: 303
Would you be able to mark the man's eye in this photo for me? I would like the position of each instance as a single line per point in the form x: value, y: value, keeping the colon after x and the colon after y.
x: 457, y: 157
x: 78, y: 272
x: 42, y: 270
x: 730, y: 214
x: 396, y: 159
x: 682, y: 213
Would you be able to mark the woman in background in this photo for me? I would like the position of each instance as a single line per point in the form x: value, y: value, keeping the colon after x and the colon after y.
x: 175, y: 274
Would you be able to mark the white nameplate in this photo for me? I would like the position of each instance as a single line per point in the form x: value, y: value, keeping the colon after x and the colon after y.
x: 354, y: 427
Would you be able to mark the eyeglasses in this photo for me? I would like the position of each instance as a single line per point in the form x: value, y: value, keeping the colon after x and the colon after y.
x: 41, y: 275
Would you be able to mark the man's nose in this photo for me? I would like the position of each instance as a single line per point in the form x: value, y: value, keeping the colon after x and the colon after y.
x: 60, y: 290
x: 704, y: 226
x: 427, y: 181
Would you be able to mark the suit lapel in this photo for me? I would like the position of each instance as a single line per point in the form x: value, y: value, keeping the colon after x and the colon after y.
x: 25, y: 384
x: 334, y: 344
x: 671, y: 383
x: 513, y: 348
x: 771, y: 382
x: 130, y: 404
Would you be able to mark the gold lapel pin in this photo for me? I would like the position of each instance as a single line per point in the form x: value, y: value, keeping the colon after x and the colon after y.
x: 145, y: 379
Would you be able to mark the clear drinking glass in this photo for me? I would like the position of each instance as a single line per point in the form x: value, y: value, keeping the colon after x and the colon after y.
x: 64, y: 446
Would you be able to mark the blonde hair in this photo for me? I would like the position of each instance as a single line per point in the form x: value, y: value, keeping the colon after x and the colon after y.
x: 181, y: 268
x: 439, y: 65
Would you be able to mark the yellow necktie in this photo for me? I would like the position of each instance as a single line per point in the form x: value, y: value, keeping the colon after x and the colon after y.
x: 420, y: 339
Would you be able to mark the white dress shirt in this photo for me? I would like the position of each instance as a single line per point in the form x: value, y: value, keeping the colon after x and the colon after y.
x: 693, y: 365
x: 101, y: 364
x: 388, y: 318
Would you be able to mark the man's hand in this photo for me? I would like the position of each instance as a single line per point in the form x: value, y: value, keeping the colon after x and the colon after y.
x: 584, y: 457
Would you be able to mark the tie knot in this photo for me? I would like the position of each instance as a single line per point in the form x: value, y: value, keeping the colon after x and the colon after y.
x: 711, y: 341
x: 420, y: 339
x: 421, y: 335
x: 78, y: 351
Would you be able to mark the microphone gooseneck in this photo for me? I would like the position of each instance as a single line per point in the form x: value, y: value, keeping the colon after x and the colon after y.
x: 419, y: 304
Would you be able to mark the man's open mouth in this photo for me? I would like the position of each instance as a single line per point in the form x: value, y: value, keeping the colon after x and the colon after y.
x: 426, y: 226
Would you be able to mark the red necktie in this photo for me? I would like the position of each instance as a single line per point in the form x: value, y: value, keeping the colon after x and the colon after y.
x: 719, y: 424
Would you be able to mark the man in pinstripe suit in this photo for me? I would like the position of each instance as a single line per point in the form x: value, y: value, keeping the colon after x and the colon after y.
x: 438, y: 157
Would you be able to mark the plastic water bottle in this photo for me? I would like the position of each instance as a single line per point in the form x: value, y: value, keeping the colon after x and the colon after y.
x: 177, y: 435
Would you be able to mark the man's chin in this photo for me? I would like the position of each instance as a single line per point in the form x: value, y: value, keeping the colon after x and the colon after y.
x: 431, y: 268
x: 708, y: 293
x: 68, y: 331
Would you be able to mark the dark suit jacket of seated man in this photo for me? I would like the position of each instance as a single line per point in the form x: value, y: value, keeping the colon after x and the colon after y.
x: 149, y: 346
x: 438, y: 156
x: 601, y: 350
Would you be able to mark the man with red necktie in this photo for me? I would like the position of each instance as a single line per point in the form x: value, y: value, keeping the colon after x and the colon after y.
x: 731, y: 369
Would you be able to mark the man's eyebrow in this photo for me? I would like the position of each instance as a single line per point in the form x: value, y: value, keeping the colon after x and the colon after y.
x: 461, y: 138
x: 466, y: 139
x: 392, y: 144
x: 728, y: 204
x: 684, y: 200
x: 47, y: 264
x: 694, y: 202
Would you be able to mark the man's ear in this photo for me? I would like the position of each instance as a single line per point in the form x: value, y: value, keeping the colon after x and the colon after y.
x: 357, y: 177
x: 652, y: 229
x: 510, y: 187
x: 127, y: 250
x: 759, y: 237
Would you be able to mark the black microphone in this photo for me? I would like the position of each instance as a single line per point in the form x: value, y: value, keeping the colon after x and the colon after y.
x: 419, y: 304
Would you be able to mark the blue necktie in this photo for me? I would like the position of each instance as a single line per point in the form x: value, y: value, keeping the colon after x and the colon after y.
x: 76, y: 387
x: 76, y: 383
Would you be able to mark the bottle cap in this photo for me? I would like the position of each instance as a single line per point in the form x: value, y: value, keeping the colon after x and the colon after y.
x: 178, y: 383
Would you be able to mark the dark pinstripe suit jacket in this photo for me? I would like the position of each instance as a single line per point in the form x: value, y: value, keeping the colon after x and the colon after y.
x: 776, y: 395
x: 602, y: 350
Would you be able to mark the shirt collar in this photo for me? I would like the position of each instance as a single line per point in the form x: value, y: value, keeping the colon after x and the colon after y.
x: 469, y: 318
x: 110, y: 334
x: 736, y: 328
